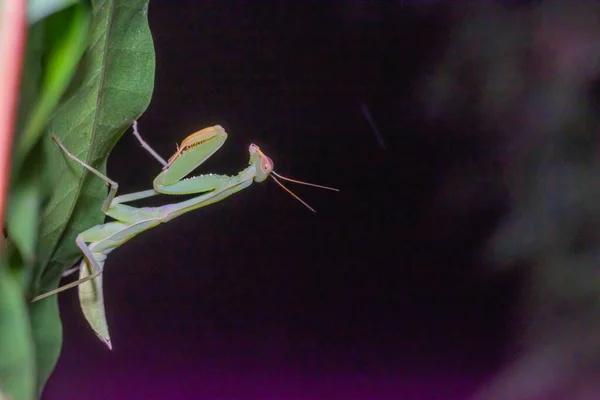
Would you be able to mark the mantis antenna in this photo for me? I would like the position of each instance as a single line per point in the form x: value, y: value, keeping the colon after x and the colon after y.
x: 301, y: 183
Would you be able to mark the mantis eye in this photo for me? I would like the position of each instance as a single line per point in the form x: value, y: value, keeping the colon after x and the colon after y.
x: 266, y: 165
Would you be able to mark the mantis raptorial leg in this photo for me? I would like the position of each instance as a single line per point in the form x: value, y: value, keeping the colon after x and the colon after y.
x: 97, y: 242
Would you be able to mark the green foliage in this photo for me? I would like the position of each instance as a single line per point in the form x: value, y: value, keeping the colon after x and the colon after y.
x: 87, y: 74
x: 17, y: 368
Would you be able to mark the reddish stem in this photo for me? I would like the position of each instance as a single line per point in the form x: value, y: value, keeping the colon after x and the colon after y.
x: 12, y: 44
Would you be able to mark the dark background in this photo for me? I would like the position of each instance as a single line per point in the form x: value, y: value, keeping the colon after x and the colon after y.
x: 382, y: 294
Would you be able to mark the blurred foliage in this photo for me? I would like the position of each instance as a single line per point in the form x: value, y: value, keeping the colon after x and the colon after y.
x: 523, y: 79
x: 88, y: 73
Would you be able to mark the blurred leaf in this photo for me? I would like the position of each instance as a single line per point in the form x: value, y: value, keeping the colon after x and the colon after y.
x: 47, y: 336
x: 19, y: 248
x: 26, y: 196
x: 17, y: 370
x: 65, y: 39
x: 31, y: 79
x: 40, y: 9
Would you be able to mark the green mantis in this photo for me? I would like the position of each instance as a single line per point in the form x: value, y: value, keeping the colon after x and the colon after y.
x: 97, y: 242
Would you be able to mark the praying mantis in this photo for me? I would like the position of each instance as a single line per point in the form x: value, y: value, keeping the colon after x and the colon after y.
x: 97, y: 242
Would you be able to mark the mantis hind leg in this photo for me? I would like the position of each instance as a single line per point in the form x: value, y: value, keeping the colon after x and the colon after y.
x: 70, y: 272
x: 114, y: 186
x: 88, y: 255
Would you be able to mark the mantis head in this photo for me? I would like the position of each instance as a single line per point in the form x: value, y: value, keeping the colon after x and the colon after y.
x: 262, y: 163
x: 264, y: 168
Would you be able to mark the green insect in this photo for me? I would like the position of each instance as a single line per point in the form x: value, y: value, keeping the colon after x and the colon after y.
x: 97, y: 242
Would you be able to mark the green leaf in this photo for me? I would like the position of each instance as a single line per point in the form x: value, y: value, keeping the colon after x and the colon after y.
x: 112, y: 88
x: 117, y: 78
x: 27, y: 193
x: 17, y: 371
x: 47, y: 336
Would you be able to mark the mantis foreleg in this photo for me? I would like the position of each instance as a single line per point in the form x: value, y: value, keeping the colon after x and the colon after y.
x: 146, y: 146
